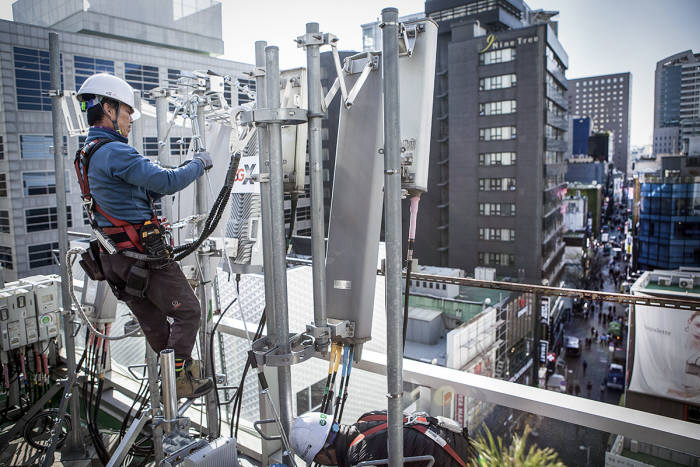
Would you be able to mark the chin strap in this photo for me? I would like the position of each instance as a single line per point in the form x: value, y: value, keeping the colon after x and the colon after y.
x: 115, y: 125
x: 114, y: 122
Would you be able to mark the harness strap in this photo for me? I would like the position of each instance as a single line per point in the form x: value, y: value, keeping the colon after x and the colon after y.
x: 82, y: 164
x: 419, y: 424
x: 382, y: 418
x: 440, y: 442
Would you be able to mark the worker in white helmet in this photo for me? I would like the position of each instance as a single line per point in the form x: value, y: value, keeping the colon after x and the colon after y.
x: 316, y: 438
x: 119, y: 187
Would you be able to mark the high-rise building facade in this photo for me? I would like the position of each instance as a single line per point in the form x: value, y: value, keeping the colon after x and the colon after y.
x: 676, y: 103
x: 99, y: 36
x: 499, y: 141
x: 606, y: 100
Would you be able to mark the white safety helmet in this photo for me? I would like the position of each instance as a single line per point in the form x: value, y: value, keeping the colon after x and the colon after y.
x: 309, y: 434
x: 106, y: 85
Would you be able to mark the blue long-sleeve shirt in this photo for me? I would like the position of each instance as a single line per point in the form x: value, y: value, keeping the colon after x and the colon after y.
x: 121, y: 179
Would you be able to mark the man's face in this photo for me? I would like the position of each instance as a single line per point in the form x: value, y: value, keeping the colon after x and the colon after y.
x: 326, y: 457
x: 124, y: 121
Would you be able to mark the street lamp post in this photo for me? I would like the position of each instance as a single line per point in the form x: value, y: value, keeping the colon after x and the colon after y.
x: 588, y: 454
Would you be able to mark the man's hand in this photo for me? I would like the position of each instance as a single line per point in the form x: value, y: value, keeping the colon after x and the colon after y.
x: 205, y: 159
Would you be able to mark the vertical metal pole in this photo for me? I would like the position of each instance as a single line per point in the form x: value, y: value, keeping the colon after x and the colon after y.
x: 537, y: 304
x: 268, y: 447
x: 392, y: 233
x: 74, y: 440
x: 280, y: 332
x: 205, y: 291
x: 152, y: 365
x: 164, y: 148
x: 167, y: 372
x: 137, y: 127
x: 318, y: 247
x: 264, y: 155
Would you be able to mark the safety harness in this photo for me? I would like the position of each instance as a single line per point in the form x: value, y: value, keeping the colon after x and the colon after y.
x: 418, y: 423
x: 148, y: 238
x: 123, y: 234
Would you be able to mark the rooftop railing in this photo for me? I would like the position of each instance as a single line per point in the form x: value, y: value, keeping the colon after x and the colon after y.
x: 642, y: 426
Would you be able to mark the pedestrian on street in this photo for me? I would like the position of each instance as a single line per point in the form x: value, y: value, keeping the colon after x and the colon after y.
x: 592, y: 330
x: 577, y: 389
x: 589, y: 388
x: 602, y: 389
x: 585, y: 366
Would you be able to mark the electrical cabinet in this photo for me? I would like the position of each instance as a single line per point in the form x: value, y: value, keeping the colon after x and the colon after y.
x: 46, y: 299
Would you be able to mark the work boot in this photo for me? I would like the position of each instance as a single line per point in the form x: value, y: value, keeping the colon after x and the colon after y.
x: 189, y: 384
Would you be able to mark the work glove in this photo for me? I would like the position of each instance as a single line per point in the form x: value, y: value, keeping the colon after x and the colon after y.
x: 205, y: 159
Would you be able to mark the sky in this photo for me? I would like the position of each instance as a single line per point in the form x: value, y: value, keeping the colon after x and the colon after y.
x: 600, y: 36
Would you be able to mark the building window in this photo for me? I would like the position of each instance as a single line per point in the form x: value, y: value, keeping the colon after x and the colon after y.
x: 173, y: 77
x: 497, y: 133
x: 141, y: 77
x: 6, y: 257
x: 497, y: 158
x: 33, y: 79
x: 553, y: 157
x: 150, y: 146
x: 497, y: 108
x: 42, y: 255
x: 2, y: 149
x: 497, y: 56
x: 304, y: 213
x: 88, y: 66
x: 497, y: 184
x: 41, y: 183
x: 503, y: 235
x: 496, y: 259
x: 553, y: 132
x: 4, y: 222
x: 179, y: 145
x: 310, y: 398
x: 3, y: 185
x: 38, y: 219
x: 243, y: 96
x: 36, y: 146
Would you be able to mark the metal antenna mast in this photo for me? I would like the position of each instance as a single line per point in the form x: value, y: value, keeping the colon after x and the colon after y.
x: 392, y: 235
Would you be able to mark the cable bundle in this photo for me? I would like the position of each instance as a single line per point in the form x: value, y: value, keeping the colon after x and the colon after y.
x: 217, y: 210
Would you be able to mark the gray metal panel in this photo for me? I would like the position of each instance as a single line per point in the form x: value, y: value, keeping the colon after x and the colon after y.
x: 356, y: 209
x: 219, y: 453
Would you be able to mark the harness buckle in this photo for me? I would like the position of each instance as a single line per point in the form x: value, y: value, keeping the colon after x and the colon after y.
x: 418, y: 418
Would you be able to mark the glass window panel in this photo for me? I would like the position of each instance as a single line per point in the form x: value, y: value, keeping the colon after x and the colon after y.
x: 32, y: 78
x: 6, y: 257
x: 42, y: 255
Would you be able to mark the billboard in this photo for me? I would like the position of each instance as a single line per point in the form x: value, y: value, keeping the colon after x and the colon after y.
x: 667, y: 353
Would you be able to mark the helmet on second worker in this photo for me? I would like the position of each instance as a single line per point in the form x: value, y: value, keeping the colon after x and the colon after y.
x: 309, y: 434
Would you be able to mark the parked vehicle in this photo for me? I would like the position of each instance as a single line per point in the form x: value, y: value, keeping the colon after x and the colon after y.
x: 557, y: 383
x: 572, y: 346
x: 616, y: 377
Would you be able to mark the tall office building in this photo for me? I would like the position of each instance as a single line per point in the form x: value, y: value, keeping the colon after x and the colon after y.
x: 676, y: 103
x: 606, y: 100
x: 499, y: 141
x: 146, y: 43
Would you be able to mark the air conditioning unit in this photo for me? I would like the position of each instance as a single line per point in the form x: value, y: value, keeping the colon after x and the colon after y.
x: 685, y: 282
x: 664, y: 280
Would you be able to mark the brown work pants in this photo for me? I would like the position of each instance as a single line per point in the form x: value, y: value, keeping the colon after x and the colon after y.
x: 168, y: 295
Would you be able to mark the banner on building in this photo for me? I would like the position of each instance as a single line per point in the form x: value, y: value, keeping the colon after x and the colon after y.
x: 667, y: 353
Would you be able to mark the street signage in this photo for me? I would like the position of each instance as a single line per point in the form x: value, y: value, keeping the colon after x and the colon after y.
x: 544, y: 347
